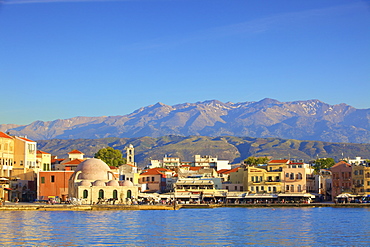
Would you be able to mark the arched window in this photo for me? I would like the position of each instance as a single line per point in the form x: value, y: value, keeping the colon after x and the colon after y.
x: 292, y: 176
x: 299, y: 175
x: 85, y: 194
x: 101, y: 194
x: 299, y: 188
x: 129, y: 194
x: 292, y: 188
x: 115, y: 194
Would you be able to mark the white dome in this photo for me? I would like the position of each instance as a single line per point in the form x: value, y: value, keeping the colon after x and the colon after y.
x: 85, y: 183
x: 93, y: 169
x: 127, y: 183
x: 99, y: 183
x: 113, y: 183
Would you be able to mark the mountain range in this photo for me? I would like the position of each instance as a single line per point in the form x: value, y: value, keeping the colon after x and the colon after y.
x: 300, y: 120
x: 234, y: 149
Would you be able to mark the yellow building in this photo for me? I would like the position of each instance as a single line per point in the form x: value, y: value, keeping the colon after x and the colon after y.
x: 361, y: 179
x: 6, y: 155
x: 43, y: 160
x: 25, y: 166
x: 259, y: 180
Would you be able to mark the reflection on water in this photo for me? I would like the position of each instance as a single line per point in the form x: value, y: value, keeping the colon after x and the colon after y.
x: 189, y: 227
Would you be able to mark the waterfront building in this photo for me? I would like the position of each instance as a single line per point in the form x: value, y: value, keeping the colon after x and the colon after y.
x: 53, y: 185
x: 361, y: 178
x: 235, y: 180
x: 259, y: 180
x: 43, y: 160
x: 298, y: 178
x: 6, y: 155
x: 94, y: 182
x: 341, y: 179
x: 75, y: 157
x: 155, y: 180
x: 198, y: 189
x: 25, y: 166
x: 173, y: 163
x: 323, y: 184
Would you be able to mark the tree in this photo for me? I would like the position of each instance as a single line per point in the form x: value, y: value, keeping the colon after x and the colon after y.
x: 323, y: 163
x: 111, y: 156
x: 256, y: 160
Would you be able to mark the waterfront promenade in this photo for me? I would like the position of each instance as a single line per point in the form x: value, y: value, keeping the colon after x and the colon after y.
x: 11, y: 206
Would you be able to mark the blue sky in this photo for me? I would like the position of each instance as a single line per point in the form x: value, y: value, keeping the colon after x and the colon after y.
x: 66, y: 58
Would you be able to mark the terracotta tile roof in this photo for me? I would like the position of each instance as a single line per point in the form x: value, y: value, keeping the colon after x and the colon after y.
x: 41, y: 152
x: 57, y: 160
x: 25, y: 139
x: 228, y: 171
x: 195, y: 168
x: 222, y: 171
x: 73, y: 162
x: 185, y: 166
x: 341, y: 163
x: 152, y: 172
x: 75, y: 152
x: 278, y: 161
x: 130, y: 165
x: 3, y: 135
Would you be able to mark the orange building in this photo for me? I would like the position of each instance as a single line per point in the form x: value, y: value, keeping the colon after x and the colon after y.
x: 53, y: 184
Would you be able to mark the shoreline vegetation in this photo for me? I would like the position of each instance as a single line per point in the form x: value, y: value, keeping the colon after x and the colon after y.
x: 68, y: 207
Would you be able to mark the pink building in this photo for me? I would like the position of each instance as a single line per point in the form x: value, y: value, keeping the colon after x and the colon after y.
x: 341, y: 178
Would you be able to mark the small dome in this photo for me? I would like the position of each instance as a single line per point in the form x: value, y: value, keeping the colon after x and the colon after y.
x: 127, y: 183
x: 93, y: 169
x: 85, y: 183
x: 113, y: 183
x: 99, y: 183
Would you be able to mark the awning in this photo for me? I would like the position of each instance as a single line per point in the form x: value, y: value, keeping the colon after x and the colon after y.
x: 8, y: 189
x: 296, y: 195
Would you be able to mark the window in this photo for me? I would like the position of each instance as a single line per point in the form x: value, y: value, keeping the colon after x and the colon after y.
x: 115, y: 194
x: 101, y: 194
x: 287, y: 175
x: 52, y: 178
x: 152, y: 179
x: 85, y: 194
x: 299, y: 188
x: 274, y: 189
x: 269, y: 189
x: 287, y: 188
x: 129, y: 194
x: 292, y: 188
x: 292, y: 176
x: 42, y: 180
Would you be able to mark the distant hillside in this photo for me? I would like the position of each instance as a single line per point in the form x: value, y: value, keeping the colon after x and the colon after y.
x: 231, y: 148
x: 301, y: 120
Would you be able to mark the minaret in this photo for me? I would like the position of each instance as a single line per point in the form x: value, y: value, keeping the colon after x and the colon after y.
x: 130, y: 154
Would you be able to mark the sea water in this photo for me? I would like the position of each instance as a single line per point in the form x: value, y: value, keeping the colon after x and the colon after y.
x: 188, y: 227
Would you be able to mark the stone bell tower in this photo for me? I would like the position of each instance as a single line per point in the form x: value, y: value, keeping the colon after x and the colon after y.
x: 130, y: 154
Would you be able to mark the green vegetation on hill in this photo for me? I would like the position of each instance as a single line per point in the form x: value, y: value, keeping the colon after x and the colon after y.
x: 235, y: 149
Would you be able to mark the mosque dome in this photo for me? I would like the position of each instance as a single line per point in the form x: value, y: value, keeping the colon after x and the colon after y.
x: 113, y: 183
x: 99, y: 183
x: 127, y: 183
x: 85, y: 183
x: 93, y: 169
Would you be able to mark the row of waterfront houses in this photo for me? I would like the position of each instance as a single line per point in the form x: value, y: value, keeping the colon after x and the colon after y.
x: 29, y: 174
